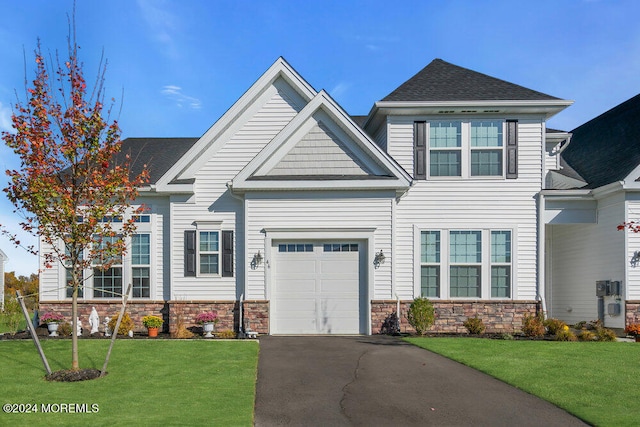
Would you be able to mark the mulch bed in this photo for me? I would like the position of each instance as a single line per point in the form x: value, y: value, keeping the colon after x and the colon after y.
x: 72, y: 376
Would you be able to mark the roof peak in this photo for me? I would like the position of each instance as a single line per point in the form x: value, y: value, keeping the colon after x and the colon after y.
x: 443, y: 81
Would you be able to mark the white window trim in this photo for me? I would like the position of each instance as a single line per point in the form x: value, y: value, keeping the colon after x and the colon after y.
x: 465, y: 149
x: 445, y: 263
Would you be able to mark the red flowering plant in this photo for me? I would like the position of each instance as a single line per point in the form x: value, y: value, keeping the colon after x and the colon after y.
x: 51, y: 317
x: 207, y: 317
x: 633, y: 329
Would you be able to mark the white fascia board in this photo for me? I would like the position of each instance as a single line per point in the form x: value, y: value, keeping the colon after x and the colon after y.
x: 630, y: 182
x: 266, y: 159
x: 280, y: 68
x: 548, y: 108
x: 313, y: 185
x: 567, y: 194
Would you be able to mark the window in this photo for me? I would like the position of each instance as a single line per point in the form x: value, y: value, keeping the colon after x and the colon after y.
x: 68, y: 278
x: 501, y: 264
x: 465, y: 148
x: 465, y: 256
x: 141, y: 265
x: 445, y: 148
x: 295, y: 247
x: 205, y: 254
x: 209, y: 252
x: 486, y: 148
x: 341, y: 247
x: 107, y: 283
x: 465, y: 264
x: 430, y: 264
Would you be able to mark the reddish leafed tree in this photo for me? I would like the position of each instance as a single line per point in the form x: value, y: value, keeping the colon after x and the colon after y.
x: 631, y: 226
x: 73, y: 189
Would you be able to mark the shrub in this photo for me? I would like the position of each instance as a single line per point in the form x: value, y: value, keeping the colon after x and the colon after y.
x: 64, y: 329
x: 533, y: 326
x: 421, y: 315
x: 554, y: 326
x: 226, y: 334
x: 585, y: 335
x: 126, y: 324
x: 506, y: 336
x: 474, y: 325
x: 207, y: 317
x: 605, y: 334
x: 12, y: 316
x: 633, y: 329
x: 565, y: 335
x: 51, y: 317
x: 580, y: 325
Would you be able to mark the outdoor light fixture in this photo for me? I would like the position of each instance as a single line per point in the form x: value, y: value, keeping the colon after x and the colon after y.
x: 378, y: 259
x: 635, y: 259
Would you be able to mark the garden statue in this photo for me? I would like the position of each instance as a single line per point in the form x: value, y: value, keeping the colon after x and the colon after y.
x: 107, y: 331
x: 79, y: 329
x: 94, y: 321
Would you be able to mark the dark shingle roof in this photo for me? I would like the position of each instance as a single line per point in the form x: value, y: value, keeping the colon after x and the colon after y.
x: 607, y: 148
x: 442, y: 81
x: 159, y: 154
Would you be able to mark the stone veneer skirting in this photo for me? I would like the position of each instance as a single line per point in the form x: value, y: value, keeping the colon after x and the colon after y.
x: 632, y: 312
x: 498, y: 316
x: 256, y: 313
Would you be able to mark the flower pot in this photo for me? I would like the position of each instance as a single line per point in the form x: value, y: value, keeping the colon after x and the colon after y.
x: 53, y: 329
x: 207, y: 328
x: 153, y: 332
x: 637, y: 338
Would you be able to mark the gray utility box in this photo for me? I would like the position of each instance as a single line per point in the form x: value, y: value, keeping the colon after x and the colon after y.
x: 613, y: 309
x: 602, y: 288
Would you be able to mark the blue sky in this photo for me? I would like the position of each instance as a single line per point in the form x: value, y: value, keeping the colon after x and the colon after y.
x: 177, y: 66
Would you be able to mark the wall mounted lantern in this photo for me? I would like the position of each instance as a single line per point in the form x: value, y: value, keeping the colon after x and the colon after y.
x: 378, y: 259
x: 257, y: 260
x: 635, y: 259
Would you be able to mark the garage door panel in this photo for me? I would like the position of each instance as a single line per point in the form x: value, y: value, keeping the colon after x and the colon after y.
x: 317, y: 292
x: 288, y: 287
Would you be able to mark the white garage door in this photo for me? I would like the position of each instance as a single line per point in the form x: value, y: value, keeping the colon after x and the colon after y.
x: 318, y: 288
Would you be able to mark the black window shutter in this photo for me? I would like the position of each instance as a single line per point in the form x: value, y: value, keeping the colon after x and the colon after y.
x: 227, y: 253
x: 189, y: 253
x: 419, y: 150
x: 512, y: 149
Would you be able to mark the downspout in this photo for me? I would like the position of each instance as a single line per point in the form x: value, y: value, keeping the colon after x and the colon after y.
x: 244, y: 284
x: 541, y: 255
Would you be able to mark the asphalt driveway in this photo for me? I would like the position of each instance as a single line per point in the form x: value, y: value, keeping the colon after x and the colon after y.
x: 383, y: 381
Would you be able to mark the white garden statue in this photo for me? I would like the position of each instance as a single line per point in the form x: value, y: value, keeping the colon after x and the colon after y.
x: 107, y: 331
x: 94, y: 321
x: 79, y: 331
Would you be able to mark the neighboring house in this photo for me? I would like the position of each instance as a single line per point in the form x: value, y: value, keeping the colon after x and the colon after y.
x: 595, y: 188
x: 321, y: 223
x: 3, y: 259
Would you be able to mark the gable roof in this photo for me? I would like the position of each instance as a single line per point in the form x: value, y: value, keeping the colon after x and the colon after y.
x: 442, y: 81
x: 183, y: 171
x: 606, y: 149
x: 322, y: 134
x: 159, y: 154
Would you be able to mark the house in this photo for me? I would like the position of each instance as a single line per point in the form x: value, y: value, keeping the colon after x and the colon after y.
x: 592, y: 270
x: 316, y: 222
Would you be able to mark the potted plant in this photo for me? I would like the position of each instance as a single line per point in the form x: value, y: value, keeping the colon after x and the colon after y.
x: 207, y: 319
x: 52, y: 320
x: 152, y: 323
x: 634, y: 330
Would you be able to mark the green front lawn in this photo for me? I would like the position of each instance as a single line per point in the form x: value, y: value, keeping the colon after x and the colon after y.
x: 150, y: 382
x: 597, y: 382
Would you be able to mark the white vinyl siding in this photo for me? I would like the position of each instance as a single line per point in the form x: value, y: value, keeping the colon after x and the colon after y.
x: 581, y: 254
x: 467, y: 204
x: 212, y: 201
x: 315, y: 212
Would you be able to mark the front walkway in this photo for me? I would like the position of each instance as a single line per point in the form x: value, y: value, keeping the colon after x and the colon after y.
x: 383, y: 381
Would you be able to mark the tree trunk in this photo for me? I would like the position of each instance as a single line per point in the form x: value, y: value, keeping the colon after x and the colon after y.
x: 75, y: 365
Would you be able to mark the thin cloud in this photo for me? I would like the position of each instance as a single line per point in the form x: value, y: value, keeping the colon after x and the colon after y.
x: 162, y: 24
x: 5, y: 119
x: 183, y: 101
x: 339, y: 90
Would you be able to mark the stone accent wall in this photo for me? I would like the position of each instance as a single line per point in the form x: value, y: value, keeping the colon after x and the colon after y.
x: 256, y: 314
x: 136, y: 309
x: 189, y: 310
x: 632, y: 312
x: 498, y: 316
